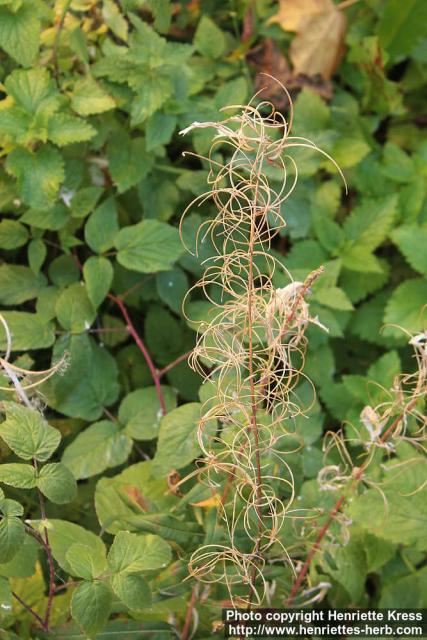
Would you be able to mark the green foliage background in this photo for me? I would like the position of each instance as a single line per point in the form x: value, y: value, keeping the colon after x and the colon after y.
x: 92, y: 185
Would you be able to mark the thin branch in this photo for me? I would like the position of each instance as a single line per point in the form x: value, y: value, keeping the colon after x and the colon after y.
x: 171, y: 365
x: 345, y: 4
x: 189, y: 613
x: 141, y: 346
x: 30, y: 610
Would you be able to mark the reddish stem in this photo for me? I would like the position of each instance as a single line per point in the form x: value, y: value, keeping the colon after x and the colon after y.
x: 171, y: 365
x: 30, y: 610
x: 337, y: 506
x: 189, y: 614
x: 141, y: 346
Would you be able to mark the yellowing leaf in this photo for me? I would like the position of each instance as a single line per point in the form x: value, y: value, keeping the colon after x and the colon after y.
x: 213, y: 501
x: 293, y: 13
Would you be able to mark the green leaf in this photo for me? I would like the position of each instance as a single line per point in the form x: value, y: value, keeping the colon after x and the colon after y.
x: 402, y: 25
x: 159, y: 130
x: 22, y: 476
x: 91, y: 606
x: 358, y: 258
x: 12, y: 535
x: 84, y: 201
x: 19, y: 284
x: 402, y: 517
x: 11, y: 507
x: 132, y: 590
x: 151, y: 95
x: 102, y: 226
x: 86, y: 562
x: 350, y: 571
x: 101, y: 446
x: 13, y: 234
x: 52, y: 218
x: 177, y: 445
x: 28, y: 330
x: 407, y: 591
x: 64, y: 129
x: 148, y: 247
x: 98, y: 274
x: 89, y: 98
x: 398, y: 165
x: 20, y: 33
x: 333, y: 297
x: 114, y: 19
x: 128, y: 161
x: 131, y: 553
x: 5, y: 597
x: 74, y: 310
x: 39, y: 174
x: 172, y: 287
x: 90, y: 383
x: 369, y: 223
x: 140, y: 411
x: 23, y: 563
x: 27, y: 433
x: 209, y: 40
x: 412, y: 242
x: 33, y: 90
x: 405, y: 305
x: 63, y: 535
x: 37, y: 252
x: 57, y: 483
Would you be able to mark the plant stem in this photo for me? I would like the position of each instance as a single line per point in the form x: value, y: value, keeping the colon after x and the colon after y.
x: 141, y: 346
x: 171, y: 365
x: 49, y: 557
x: 337, y: 506
x: 189, y: 613
x: 30, y: 610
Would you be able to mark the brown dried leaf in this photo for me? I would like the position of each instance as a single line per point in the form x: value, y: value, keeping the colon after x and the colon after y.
x: 318, y: 46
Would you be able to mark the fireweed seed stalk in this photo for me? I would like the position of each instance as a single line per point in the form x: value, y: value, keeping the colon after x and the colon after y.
x: 250, y: 351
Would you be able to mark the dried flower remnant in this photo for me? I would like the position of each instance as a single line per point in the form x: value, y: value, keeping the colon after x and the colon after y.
x: 253, y: 346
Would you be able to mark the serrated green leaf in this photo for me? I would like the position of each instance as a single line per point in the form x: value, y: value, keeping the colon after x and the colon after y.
x: 98, y: 274
x: 91, y: 606
x: 102, y: 226
x: 159, y: 129
x: 333, y: 297
x: 132, y: 589
x: 12, y: 534
x: 131, y: 553
x: 86, y: 562
x: 148, y: 247
x: 114, y: 19
x: 405, y: 305
x: 177, y: 445
x: 74, y: 310
x: 140, y: 411
x: 64, y: 129
x: 84, y: 201
x: 28, y: 331
x: 402, y: 25
x: 128, y: 161
x: 39, y: 174
x: 19, y: 284
x: 209, y: 39
x: 27, y: 433
x: 369, y: 223
x: 63, y: 535
x: 101, y: 446
x: 36, y: 252
x: 90, y: 383
x: 412, y: 242
x: 57, y: 483
x: 89, y: 98
x: 19, y: 33
x: 22, y: 476
x: 13, y: 234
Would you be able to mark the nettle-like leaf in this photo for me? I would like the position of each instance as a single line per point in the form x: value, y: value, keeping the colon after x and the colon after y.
x: 20, y: 32
x: 27, y: 433
x: 101, y: 446
x: 91, y: 606
x: 177, y: 444
x: 148, y: 247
